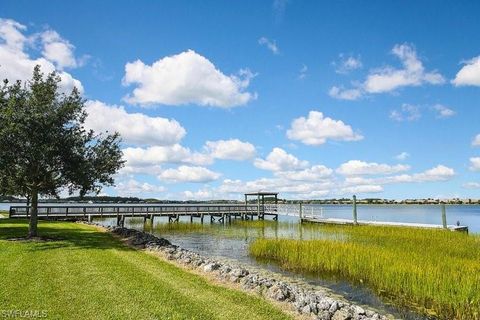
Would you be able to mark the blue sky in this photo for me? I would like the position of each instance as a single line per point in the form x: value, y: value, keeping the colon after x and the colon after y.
x: 312, y: 99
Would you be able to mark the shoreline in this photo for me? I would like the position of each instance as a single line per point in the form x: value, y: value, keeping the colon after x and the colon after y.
x: 305, y: 302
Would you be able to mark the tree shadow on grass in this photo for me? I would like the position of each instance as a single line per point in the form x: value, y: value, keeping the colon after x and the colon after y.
x: 57, y: 235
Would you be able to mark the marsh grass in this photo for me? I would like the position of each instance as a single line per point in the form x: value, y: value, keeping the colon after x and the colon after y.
x: 434, y: 271
x: 181, y: 227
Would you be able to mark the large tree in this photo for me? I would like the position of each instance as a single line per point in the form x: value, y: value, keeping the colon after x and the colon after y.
x: 44, y: 146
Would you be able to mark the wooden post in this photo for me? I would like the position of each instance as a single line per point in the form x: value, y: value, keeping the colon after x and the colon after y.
x: 355, y: 221
x: 90, y: 218
x: 263, y: 206
x: 258, y: 206
x: 444, y: 216
x: 246, y: 208
x: 301, y: 211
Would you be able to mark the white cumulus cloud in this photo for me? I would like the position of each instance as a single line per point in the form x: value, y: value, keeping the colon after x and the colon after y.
x: 202, y: 194
x: 357, y: 167
x: 475, y: 163
x: 279, y: 160
x: 412, y: 74
x: 438, y: 173
x: 232, y: 149
x: 476, y: 141
x: 317, y: 129
x: 186, y: 78
x: 16, y: 62
x: 135, y: 128
x: 469, y: 74
x: 150, y: 159
x: 58, y: 50
x: 387, y: 79
x: 315, y: 173
x: 189, y: 174
x: 132, y: 186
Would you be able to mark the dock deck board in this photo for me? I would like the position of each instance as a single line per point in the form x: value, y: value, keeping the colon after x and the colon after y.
x: 339, y: 221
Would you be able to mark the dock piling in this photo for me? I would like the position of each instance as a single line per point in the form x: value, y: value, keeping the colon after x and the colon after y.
x: 444, y: 216
x: 355, y: 221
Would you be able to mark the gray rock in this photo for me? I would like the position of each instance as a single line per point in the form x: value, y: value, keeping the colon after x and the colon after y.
x: 341, y: 314
x: 324, y: 304
x: 313, y: 308
x: 306, y: 309
x: 357, y: 310
x: 333, y: 307
x: 239, y: 272
x: 277, y: 293
x: 211, y: 267
x: 324, y: 315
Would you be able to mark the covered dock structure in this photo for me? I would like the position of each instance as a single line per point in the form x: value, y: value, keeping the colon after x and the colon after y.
x: 260, y: 197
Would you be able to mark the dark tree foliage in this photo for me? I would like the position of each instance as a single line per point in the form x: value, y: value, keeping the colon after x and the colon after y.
x: 44, y: 146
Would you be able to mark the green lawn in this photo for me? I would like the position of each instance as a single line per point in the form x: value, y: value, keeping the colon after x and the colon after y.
x: 88, y: 274
x: 436, y: 271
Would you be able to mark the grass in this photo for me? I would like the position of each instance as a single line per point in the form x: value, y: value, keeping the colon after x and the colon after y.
x: 237, y: 229
x: 181, y: 227
x: 435, y: 271
x: 3, y: 214
x: 84, y: 273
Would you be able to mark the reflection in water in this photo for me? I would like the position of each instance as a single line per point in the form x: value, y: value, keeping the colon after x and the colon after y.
x: 231, y: 242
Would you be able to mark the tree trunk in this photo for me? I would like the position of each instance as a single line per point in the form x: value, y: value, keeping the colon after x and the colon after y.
x: 32, y: 228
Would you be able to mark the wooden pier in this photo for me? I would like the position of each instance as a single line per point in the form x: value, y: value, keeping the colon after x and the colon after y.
x: 213, y: 212
x: 383, y: 223
x: 217, y: 212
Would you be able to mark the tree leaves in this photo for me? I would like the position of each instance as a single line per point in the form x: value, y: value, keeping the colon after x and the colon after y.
x: 44, y: 145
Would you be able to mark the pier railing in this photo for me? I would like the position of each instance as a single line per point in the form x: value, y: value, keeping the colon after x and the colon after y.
x: 75, y: 211
x: 295, y: 210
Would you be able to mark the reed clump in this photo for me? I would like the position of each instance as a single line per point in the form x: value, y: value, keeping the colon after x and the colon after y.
x: 435, y: 271
x: 181, y: 227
